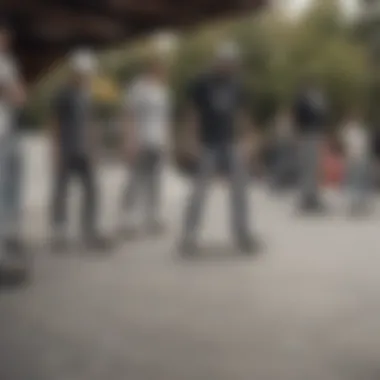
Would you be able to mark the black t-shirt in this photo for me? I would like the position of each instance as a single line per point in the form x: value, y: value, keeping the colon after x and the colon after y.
x: 310, y: 111
x: 217, y: 101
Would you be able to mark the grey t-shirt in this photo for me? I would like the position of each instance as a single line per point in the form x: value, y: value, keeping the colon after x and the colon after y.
x: 72, y: 108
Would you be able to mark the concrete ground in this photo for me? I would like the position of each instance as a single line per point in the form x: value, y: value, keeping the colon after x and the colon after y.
x: 307, y: 308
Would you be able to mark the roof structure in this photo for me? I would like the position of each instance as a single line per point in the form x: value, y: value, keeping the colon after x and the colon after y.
x: 46, y: 29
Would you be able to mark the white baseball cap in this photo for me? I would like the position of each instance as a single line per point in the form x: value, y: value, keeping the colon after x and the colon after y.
x: 83, y: 62
x: 227, y: 51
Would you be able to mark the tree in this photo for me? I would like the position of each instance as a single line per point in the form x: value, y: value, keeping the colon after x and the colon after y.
x: 277, y: 53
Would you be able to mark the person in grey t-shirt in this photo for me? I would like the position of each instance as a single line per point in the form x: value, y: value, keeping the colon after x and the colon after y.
x: 73, y: 129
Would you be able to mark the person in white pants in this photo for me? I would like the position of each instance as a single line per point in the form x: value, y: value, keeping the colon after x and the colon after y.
x: 147, y: 119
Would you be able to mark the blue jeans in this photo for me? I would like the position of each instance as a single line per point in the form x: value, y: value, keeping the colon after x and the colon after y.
x: 10, y: 185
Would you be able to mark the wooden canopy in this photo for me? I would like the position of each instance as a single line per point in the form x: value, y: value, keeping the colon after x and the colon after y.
x: 46, y: 29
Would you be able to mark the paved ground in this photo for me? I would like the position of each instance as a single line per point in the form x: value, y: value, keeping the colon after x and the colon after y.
x: 306, y: 309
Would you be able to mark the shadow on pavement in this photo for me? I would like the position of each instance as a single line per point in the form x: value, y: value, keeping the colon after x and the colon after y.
x: 221, y: 253
x: 14, y: 279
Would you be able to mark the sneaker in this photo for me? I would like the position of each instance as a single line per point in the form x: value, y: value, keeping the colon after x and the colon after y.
x: 359, y: 210
x: 249, y: 245
x: 13, y: 246
x: 59, y: 244
x: 187, y: 248
x: 59, y: 239
x: 155, y: 228
x: 15, y: 264
x: 312, y: 206
x: 97, y: 243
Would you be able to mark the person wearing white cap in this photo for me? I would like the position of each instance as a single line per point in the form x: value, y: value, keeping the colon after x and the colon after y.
x: 12, y: 99
x: 219, y: 106
x: 73, y: 131
x: 147, y: 110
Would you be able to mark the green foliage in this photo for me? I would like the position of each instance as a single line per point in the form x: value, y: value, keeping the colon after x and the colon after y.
x: 277, y: 53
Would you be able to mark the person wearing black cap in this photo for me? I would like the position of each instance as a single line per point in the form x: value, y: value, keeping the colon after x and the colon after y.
x: 218, y: 107
x: 73, y: 132
x: 12, y: 100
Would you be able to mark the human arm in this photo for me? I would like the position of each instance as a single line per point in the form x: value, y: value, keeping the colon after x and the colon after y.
x: 246, y: 127
x: 189, y: 130
x: 128, y: 126
x: 53, y: 130
x: 190, y: 134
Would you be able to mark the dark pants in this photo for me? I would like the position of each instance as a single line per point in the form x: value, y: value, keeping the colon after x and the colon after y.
x: 80, y: 167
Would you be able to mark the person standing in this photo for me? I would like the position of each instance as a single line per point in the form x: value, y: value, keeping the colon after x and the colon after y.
x: 12, y: 100
x: 218, y: 108
x: 73, y: 148
x: 355, y: 138
x: 147, y: 119
x: 310, y: 113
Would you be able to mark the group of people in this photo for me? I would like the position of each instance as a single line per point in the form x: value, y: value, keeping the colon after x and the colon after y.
x: 216, y: 105
x: 314, y: 158
x: 217, y: 122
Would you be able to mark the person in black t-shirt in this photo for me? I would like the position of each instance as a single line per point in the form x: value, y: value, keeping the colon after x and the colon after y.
x: 218, y: 104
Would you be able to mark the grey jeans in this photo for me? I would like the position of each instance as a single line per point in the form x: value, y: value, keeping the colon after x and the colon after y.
x: 308, y: 159
x: 10, y: 185
x: 358, y: 179
x: 283, y: 169
x: 144, y: 185
x: 238, y: 178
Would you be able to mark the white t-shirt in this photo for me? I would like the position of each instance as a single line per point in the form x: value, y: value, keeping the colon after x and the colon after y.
x: 356, y: 141
x: 8, y: 75
x: 148, y: 102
